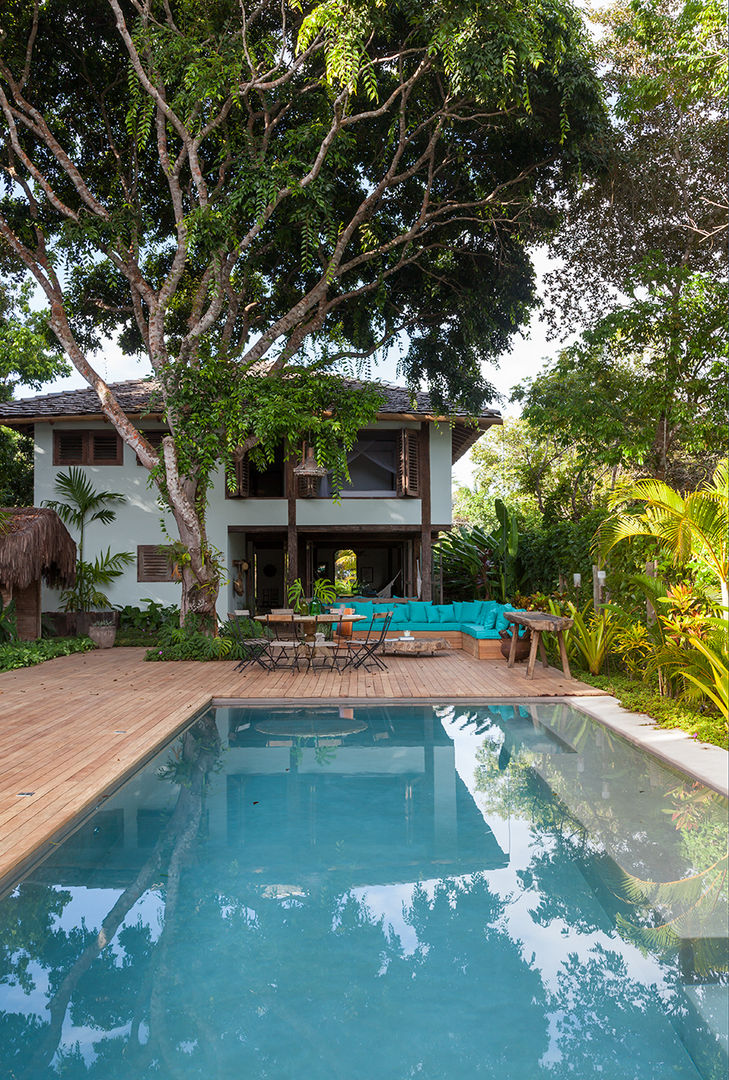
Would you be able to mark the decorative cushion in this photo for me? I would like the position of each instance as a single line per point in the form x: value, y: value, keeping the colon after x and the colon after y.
x: 446, y: 614
x: 433, y: 612
x: 489, y: 616
x: 400, y: 616
x: 479, y: 631
x: 468, y: 611
x: 502, y: 623
x: 417, y: 611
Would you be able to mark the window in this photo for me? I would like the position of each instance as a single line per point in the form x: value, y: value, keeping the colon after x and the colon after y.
x: 155, y: 564
x: 95, y: 447
x: 254, y: 483
x: 154, y: 438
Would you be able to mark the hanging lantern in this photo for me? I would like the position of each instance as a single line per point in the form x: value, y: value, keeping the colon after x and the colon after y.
x: 309, y: 467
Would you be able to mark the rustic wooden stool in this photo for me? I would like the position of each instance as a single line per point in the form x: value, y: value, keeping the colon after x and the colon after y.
x: 538, y: 622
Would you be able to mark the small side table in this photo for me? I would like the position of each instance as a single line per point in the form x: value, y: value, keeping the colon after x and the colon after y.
x: 539, y: 622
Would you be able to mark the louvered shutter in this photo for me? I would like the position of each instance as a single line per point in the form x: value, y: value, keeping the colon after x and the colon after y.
x: 243, y: 477
x: 154, y: 564
x: 154, y: 438
x: 105, y: 448
x: 408, y: 475
x: 68, y: 447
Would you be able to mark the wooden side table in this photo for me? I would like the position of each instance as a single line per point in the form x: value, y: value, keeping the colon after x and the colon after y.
x: 539, y: 622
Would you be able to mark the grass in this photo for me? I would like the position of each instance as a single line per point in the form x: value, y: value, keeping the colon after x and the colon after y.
x: 643, y: 697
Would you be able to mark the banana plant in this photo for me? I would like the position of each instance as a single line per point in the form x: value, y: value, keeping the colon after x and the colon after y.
x: 506, y: 539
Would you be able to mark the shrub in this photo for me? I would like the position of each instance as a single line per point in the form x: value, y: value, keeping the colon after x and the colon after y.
x: 141, y: 626
x: 20, y: 654
x: 189, y: 642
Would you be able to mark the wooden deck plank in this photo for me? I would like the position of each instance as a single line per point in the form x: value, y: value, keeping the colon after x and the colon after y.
x: 72, y: 728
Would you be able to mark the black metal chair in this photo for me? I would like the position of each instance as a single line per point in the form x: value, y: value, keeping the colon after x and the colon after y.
x: 360, y: 653
x: 288, y: 643
x: 256, y: 650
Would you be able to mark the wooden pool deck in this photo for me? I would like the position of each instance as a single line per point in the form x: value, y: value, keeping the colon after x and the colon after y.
x: 73, y: 728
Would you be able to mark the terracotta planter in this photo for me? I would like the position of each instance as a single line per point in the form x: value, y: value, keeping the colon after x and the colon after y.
x: 522, y: 646
x: 103, y: 636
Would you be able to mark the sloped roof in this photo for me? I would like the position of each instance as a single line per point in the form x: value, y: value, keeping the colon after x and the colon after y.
x: 35, y: 543
x: 135, y: 395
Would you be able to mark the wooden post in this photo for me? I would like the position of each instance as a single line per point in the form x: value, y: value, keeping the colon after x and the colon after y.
x: 426, y: 524
x: 292, y: 536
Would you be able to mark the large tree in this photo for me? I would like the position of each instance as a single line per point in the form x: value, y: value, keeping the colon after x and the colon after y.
x: 249, y: 194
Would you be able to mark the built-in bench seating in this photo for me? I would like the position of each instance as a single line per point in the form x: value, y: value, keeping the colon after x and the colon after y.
x: 471, y: 625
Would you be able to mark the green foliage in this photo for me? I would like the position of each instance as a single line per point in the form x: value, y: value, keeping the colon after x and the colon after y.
x: 466, y: 560
x: 563, y: 547
x: 296, y: 596
x: 593, y: 635
x: 325, y: 591
x: 8, y: 622
x: 646, y: 386
x: 16, y: 468
x: 20, y: 654
x: 83, y: 505
x: 138, y: 626
x: 189, y: 642
x: 645, y: 697
x: 694, y: 526
x: 700, y: 664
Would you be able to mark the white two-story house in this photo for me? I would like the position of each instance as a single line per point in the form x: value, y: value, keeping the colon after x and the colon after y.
x: 276, y: 526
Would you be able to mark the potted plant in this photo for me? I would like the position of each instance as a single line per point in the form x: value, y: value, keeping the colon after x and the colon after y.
x: 102, y: 630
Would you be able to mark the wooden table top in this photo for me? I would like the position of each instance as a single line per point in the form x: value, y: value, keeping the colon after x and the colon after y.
x: 539, y: 620
x: 309, y: 618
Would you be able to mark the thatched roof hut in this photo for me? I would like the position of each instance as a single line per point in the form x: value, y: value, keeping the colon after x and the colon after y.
x: 34, y: 544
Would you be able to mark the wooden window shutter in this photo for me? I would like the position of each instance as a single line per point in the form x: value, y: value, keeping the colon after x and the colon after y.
x: 242, y: 478
x: 155, y: 564
x: 105, y: 448
x: 154, y: 438
x: 69, y: 447
x: 408, y: 475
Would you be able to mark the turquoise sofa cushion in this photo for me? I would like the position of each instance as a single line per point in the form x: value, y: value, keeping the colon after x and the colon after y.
x: 435, y: 627
x: 433, y: 613
x: 446, y: 614
x: 501, y: 622
x: 468, y: 611
x: 417, y: 611
x: 400, y: 616
x: 479, y: 631
x: 490, y: 612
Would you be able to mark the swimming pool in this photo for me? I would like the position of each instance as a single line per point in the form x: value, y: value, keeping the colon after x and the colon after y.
x: 357, y: 891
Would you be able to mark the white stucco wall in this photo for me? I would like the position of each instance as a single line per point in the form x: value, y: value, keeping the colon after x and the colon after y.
x: 139, y: 519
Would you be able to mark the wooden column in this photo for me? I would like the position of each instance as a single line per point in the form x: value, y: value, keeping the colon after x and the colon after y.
x: 292, y: 538
x: 426, y: 525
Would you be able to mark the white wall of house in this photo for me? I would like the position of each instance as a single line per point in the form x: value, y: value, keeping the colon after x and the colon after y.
x: 139, y: 519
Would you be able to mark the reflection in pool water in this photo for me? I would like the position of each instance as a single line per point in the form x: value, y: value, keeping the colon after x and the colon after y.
x: 508, y: 891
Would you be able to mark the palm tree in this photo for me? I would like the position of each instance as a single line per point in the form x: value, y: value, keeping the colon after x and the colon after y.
x: 82, y: 506
x: 685, y: 526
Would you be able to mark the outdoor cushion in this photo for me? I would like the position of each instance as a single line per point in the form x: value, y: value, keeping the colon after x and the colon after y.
x: 446, y: 614
x: 479, y: 631
x: 400, y: 616
x: 489, y: 616
x: 433, y: 613
x: 501, y: 622
x: 417, y: 609
x: 468, y: 611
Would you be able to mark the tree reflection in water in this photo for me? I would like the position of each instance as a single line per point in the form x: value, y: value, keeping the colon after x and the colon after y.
x: 205, y: 968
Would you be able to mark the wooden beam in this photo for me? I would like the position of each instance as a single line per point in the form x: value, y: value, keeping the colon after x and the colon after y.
x: 426, y: 528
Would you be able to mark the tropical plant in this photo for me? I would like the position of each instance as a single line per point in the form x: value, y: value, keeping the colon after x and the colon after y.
x: 324, y: 591
x: 20, y: 654
x: 465, y: 560
x: 634, y: 645
x: 593, y: 635
x: 82, y: 505
x: 8, y: 625
x: 506, y: 539
x: 699, y: 664
x: 296, y: 596
x: 692, y: 526
x: 190, y: 642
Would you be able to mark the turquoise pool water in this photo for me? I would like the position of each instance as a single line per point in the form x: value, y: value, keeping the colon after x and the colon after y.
x: 354, y: 892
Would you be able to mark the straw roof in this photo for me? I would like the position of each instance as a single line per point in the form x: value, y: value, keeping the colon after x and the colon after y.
x: 34, y: 542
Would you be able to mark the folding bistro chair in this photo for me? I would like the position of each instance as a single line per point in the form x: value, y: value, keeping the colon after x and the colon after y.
x: 252, y: 650
x: 363, y: 652
x: 287, y: 642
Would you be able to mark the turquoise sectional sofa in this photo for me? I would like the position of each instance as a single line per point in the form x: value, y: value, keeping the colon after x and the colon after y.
x: 479, y: 619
